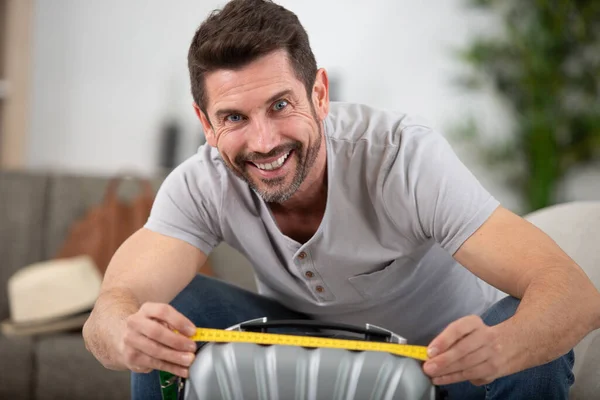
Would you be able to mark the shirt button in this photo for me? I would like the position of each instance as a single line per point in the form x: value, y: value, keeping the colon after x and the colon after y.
x: 302, y: 255
x: 320, y: 289
x: 309, y: 274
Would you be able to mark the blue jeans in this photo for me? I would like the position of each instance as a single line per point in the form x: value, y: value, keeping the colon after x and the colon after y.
x: 212, y: 303
x: 550, y: 381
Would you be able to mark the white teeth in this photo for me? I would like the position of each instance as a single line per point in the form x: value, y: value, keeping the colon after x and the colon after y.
x: 275, y: 164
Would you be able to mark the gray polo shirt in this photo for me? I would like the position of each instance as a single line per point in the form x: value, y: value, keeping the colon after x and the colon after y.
x: 399, y: 204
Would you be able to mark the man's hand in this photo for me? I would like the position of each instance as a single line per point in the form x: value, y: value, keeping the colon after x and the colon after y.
x: 467, y: 350
x: 148, y: 341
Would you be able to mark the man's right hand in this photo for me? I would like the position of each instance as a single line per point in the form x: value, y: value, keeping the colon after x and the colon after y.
x: 139, y: 284
x: 149, y: 342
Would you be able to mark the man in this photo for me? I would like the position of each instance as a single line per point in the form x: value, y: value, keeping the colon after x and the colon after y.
x: 347, y: 214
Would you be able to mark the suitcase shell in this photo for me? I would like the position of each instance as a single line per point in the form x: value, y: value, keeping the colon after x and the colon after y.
x: 227, y: 371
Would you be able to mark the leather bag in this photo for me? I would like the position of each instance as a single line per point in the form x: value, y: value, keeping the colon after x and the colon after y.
x: 107, y: 225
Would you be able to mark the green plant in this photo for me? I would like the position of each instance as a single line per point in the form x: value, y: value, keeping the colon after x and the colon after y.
x: 546, y: 66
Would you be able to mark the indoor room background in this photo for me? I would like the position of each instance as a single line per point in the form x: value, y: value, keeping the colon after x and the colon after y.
x: 107, y: 88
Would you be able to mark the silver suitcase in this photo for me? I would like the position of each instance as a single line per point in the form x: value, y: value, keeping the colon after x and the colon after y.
x: 248, y: 371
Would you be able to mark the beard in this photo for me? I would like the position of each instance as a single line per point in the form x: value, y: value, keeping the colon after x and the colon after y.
x: 275, y: 190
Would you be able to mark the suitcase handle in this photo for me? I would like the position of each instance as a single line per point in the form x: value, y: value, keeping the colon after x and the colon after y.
x: 370, y: 332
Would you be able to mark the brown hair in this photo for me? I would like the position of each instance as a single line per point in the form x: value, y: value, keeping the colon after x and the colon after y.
x: 243, y: 31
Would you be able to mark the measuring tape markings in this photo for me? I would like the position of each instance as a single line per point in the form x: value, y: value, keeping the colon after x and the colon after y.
x: 225, y: 336
x: 169, y: 390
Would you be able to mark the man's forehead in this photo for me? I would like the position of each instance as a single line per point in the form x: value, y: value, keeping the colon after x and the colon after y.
x: 264, y: 71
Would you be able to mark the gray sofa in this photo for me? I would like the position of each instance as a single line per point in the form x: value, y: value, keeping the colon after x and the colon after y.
x: 36, y: 209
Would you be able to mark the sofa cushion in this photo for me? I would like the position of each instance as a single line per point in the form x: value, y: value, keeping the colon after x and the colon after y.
x: 587, y: 385
x: 22, y: 216
x: 66, y: 370
x: 16, y: 367
x: 231, y: 266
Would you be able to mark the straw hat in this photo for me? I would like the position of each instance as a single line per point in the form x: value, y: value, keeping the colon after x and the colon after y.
x: 52, y: 296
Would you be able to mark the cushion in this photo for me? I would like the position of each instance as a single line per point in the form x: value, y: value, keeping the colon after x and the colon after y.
x: 231, y: 266
x: 22, y: 196
x: 66, y: 370
x: 587, y: 385
x: 16, y: 367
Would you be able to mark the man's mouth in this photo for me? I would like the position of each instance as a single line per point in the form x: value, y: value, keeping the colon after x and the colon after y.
x: 273, y: 165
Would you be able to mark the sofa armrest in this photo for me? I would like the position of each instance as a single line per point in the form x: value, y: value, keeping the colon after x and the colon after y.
x: 587, y: 380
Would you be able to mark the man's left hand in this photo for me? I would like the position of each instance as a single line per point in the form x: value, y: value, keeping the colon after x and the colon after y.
x: 467, y: 350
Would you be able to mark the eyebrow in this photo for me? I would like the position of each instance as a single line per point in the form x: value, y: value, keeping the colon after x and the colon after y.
x: 226, y: 111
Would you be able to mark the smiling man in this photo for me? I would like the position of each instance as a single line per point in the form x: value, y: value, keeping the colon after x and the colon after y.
x: 274, y: 155
x: 348, y: 214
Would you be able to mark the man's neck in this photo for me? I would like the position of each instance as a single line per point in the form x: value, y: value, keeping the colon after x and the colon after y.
x: 313, y: 200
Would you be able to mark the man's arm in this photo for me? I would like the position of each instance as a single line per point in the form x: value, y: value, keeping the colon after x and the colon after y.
x: 131, y: 324
x: 559, y: 304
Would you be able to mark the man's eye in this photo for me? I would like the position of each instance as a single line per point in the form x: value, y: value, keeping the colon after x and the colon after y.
x: 234, y: 118
x: 280, y: 105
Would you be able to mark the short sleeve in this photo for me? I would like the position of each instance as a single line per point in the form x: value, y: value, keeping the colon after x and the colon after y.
x: 186, y: 205
x: 430, y: 193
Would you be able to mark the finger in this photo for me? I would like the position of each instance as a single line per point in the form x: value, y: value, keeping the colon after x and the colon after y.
x: 141, y: 370
x: 138, y: 361
x: 159, y: 351
x: 160, y: 333
x: 479, y: 372
x: 475, y: 358
x: 453, y: 333
x: 479, y: 382
x: 168, y: 314
x: 144, y: 361
x: 455, y: 356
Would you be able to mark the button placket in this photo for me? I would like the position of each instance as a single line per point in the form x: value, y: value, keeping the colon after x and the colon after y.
x: 321, y: 292
x: 304, y: 264
x: 312, y: 278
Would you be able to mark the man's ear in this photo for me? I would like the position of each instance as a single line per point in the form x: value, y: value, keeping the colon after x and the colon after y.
x: 209, y: 132
x: 320, y: 94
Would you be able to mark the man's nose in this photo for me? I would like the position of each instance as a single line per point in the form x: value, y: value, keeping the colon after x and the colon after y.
x: 263, y: 136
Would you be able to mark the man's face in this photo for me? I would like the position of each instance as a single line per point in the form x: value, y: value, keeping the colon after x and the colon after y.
x: 266, y: 128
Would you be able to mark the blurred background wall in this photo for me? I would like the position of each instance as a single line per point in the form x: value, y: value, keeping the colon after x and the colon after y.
x: 107, y: 77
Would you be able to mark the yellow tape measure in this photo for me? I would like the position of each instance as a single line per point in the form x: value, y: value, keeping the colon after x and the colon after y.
x: 224, y: 336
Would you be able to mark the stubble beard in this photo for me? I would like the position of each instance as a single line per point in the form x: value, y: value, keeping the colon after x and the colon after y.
x: 272, y: 190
